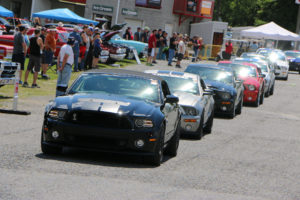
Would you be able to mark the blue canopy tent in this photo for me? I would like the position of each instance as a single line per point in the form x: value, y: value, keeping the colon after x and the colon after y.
x: 5, y: 12
x: 63, y: 14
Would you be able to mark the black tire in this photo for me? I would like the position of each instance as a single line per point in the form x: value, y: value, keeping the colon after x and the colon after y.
x: 218, y: 58
x: 233, y: 112
x: 174, y: 142
x: 287, y: 77
x: 49, y: 150
x: 240, y: 107
x: 110, y: 61
x: 130, y: 55
x: 262, y: 98
x: 272, y: 89
x: 209, y: 123
x: 267, y: 94
x: 200, y: 132
x: 299, y: 71
x: 157, y: 158
x: 256, y: 104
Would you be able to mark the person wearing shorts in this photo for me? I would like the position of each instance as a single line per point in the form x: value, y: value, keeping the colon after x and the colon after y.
x: 151, y: 47
x: 49, y: 50
x: 20, y: 49
x: 96, y: 50
x: 36, y: 45
x: 181, y: 50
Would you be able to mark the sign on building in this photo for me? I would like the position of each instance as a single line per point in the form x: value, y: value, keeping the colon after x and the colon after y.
x: 128, y: 12
x: 206, y: 8
x: 101, y: 8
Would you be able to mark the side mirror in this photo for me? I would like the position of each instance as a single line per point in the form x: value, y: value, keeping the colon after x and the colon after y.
x: 172, y: 99
x: 208, y: 92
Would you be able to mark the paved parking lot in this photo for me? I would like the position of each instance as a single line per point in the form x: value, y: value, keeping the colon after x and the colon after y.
x: 254, y: 156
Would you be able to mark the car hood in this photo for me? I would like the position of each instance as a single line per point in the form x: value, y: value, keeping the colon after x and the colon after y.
x: 108, y: 36
x: 216, y: 85
x: 186, y: 98
x: 249, y: 81
x: 106, y: 103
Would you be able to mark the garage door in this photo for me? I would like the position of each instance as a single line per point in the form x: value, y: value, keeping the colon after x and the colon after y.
x: 133, y: 24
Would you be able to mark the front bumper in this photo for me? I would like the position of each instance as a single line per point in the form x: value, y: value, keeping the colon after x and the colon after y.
x: 103, y: 59
x: 224, y: 107
x: 250, y: 96
x: 7, y: 81
x: 281, y: 73
x: 189, y: 124
x: 101, y: 139
x: 117, y: 57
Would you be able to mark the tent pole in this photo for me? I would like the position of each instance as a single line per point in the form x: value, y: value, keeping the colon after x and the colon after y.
x: 276, y: 44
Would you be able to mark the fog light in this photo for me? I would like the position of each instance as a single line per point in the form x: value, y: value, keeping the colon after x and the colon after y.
x: 55, y: 134
x: 139, y: 143
x: 224, y: 108
x: 188, y: 127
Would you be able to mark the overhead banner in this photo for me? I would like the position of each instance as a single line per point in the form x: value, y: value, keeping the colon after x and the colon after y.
x: 206, y: 7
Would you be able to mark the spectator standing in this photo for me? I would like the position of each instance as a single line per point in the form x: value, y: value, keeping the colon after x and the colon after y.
x: 151, y: 47
x: 60, y: 27
x: 36, y: 22
x: 162, y: 45
x: 253, y: 47
x: 172, y: 48
x: 20, y: 49
x: 137, y: 34
x: 77, y: 39
x: 36, y: 46
x: 43, y: 34
x: 181, y: 50
x: 86, y: 45
x: 158, y: 37
x: 196, y: 47
x: 145, y: 35
x: 49, y: 50
x: 89, y: 57
x: 128, y: 34
x: 65, y: 61
x: 228, y: 50
x: 97, y: 50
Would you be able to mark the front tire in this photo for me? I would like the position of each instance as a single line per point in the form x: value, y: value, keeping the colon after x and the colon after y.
x: 210, y: 123
x: 256, y: 104
x: 262, y: 97
x: 174, y: 142
x: 286, y: 78
x: 199, y: 133
x: 240, y: 107
x: 272, y: 89
x: 157, y: 158
x: 232, y: 114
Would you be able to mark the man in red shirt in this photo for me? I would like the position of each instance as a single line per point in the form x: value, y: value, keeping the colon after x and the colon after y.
x: 228, y: 50
x: 151, y: 47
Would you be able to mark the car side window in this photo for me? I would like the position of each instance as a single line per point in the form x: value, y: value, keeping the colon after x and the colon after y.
x: 259, y: 70
x: 165, y: 89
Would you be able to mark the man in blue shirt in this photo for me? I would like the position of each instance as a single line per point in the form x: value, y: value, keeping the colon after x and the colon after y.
x: 76, y: 36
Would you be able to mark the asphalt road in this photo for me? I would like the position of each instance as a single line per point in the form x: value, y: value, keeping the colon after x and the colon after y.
x: 254, y: 156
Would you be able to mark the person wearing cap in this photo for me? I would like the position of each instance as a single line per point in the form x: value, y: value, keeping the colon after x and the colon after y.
x: 20, y: 49
x: 49, y: 50
x: 36, y: 46
x: 77, y: 38
x: 65, y: 61
x: 60, y: 27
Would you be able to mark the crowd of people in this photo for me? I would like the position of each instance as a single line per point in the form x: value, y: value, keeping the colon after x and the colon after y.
x: 83, y: 50
x: 162, y: 48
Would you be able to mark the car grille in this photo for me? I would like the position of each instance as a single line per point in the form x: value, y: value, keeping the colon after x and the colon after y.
x: 9, y: 70
x: 100, y: 119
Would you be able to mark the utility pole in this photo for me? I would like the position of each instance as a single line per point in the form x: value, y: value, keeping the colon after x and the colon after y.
x: 117, y: 14
x: 297, y: 28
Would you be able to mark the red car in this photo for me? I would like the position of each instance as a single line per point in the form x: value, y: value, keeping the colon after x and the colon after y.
x: 6, y: 51
x: 253, y: 81
x: 61, y: 36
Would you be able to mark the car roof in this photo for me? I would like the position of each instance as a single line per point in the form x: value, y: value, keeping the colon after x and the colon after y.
x: 124, y: 72
x: 210, y: 66
x: 173, y: 74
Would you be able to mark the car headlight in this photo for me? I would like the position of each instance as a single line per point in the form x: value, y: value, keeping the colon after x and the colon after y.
x: 190, y: 111
x: 104, y: 53
x: 251, y: 87
x: 225, y: 96
x: 143, y: 123
x: 121, y: 50
x: 57, y: 114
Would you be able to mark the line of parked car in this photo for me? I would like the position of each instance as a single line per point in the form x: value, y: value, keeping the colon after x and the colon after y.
x: 146, y: 113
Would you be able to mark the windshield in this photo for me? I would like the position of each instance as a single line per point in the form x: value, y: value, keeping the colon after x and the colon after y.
x: 131, y: 87
x: 292, y: 54
x: 4, y: 21
x: 242, y: 70
x: 116, y: 37
x: 275, y: 56
x: 263, y: 67
x: 265, y: 53
x: 177, y: 84
x: 212, y: 74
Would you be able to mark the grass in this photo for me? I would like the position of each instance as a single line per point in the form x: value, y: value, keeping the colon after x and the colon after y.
x: 48, y: 87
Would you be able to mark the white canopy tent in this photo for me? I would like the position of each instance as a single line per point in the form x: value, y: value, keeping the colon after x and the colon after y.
x: 270, y: 31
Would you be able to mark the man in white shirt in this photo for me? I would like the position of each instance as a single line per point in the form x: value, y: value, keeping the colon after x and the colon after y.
x: 65, y: 61
x: 181, y: 50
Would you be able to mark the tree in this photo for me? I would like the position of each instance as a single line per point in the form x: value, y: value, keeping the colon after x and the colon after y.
x: 253, y: 13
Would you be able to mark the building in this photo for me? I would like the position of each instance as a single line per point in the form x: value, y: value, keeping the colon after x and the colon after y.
x: 169, y: 15
x: 25, y: 8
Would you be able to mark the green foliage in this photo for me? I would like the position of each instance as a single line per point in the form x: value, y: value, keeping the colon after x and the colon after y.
x: 257, y: 12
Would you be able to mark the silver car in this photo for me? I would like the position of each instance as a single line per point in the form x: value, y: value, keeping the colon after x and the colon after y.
x: 268, y: 70
x: 195, y: 100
